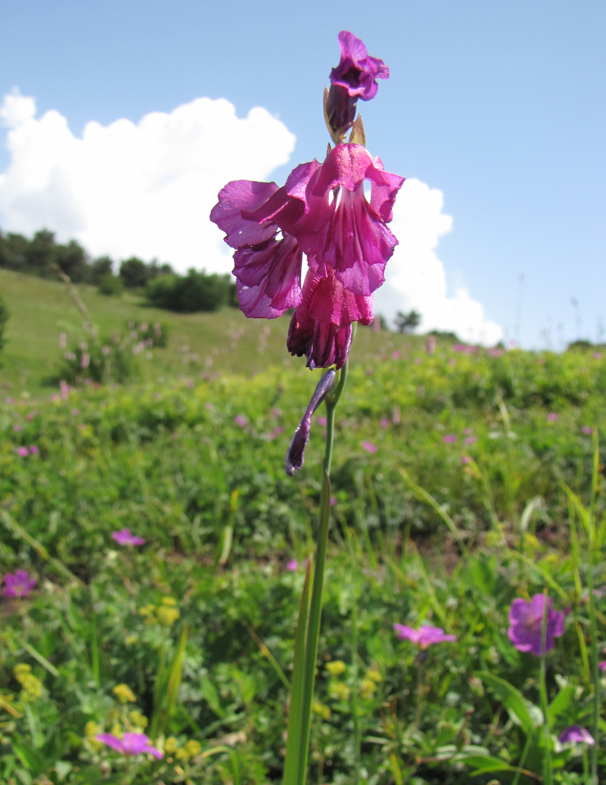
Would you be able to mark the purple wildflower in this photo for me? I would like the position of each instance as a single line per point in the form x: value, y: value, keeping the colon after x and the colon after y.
x: 296, y: 448
x: 587, y: 430
x: 602, y: 665
x: 292, y: 565
x: 321, y: 421
x: 597, y: 355
x: 33, y: 450
x: 124, y: 537
x: 526, y: 620
x: 470, y: 440
x: 18, y: 584
x: 465, y: 459
x: 450, y: 438
x: 130, y: 744
x: 425, y: 636
x: 384, y: 422
x: 17, y: 428
x: 240, y: 420
x: 369, y: 447
x: 322, y: 211
x: 23, y: 452
x: 575, y: 734
x: 552, y: 417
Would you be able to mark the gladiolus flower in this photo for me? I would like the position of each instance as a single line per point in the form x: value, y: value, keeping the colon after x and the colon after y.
x: 425, y: 636
x: 124, y: 537
x: 18, y: 584
x: 130, y: 744
x: 526, y: 620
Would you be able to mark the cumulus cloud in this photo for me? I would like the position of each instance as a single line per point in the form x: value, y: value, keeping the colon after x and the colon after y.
x: 142, y: 189
x: 146, y: 189
x: 415, y: 276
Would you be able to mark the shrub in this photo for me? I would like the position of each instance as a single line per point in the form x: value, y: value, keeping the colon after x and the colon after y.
x: 111, y: 285
x: 152, y: 334
x: 197, y: 291
x: 113, y: 360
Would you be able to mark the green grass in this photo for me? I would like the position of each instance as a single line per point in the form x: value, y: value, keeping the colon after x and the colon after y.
x: 198, y: 343
x: 425, y: 530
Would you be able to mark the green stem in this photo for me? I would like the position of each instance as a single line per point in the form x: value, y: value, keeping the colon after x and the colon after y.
x: 354, y: 691
x: 315, y: 609
x: 547, y: 773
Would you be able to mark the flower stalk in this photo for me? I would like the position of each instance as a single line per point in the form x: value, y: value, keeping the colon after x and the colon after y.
x: 547, y: 772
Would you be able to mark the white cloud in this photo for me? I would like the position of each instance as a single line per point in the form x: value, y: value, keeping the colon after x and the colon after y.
x: 143, y: 189
x: 146, y: 189
x: 415, y: 277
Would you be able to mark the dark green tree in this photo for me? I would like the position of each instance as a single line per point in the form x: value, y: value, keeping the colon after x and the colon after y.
x: 407, y: 322
x: 71, y: 258
x: 134, y: 273
x: 40, y: 254
x: 99, y: 268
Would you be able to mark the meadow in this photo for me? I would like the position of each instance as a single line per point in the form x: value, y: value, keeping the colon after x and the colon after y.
x: 462, y: 481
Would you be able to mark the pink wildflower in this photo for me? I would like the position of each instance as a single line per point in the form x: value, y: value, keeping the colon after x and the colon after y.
x: 385, y: 422
x: 369, y: 447
x: 552, y: 417
x: 526, y: 620
x: 18, y: 584
x: 470, y: 440
x: 292, y: 565
x: 23, y: 451
x: 449, y: 438
x: 240, y: 420
x: 425, y: 636
x: 124, y: 537
x: 130, y: 744
x: 576, y: 735
x: 587, y: 430
x: 34, y: 450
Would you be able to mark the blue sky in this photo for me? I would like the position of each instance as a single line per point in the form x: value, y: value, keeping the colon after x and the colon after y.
x: 500, y: 106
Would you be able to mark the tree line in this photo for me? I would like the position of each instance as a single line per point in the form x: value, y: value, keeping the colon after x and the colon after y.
x: 44, y: 257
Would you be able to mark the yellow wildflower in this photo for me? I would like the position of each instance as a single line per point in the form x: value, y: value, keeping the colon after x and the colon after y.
x: 320, y: 709
x: 171, y: 745
x: 335, y: 668
x: 338, y: 689
x: 193, y: 747
x: 137, y: 719
x: 124, y: 693
x: 167, y: 615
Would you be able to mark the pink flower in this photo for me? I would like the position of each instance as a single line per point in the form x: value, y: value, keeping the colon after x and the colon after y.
x: 23, y: 451
x: 278, y: 430
x: 321, y: 420
x: 124, y: 537
x: 395, y: 355
x: 292, y: 565
x: 576, y: 735
x: 17, y: 428
x: 449, y: 438
x: 602, y: 665
x: 34, y: 450
x: 467, y: 431
x: 526, y: 620
x: 18, y: 584
x: 333, y: 501
x: 597, y: 355
x: 240, y: 420
x: 552, y: 417
x: 470, y: 440
x: 425, y: 636
x: 130, y: 744
x: 385, y: 422
x: 465, y: 459
x: 85, y: 361
x: 369, y: 447
x: 322, y: 211
x: 587, y: 430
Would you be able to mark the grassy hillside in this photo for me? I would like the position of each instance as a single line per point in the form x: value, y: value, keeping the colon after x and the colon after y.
x: 198, y: 343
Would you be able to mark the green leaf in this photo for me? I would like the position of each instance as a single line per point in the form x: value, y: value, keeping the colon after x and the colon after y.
x: 560, y: 703
x: 293, y: 749
x: 212, y: 696
x: 512, y: 699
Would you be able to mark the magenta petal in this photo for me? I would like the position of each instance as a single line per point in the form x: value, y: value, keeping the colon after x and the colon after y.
x: 296, y: 448
x: 112, y: 741
x: 269, y: 277
x: 236, y: 196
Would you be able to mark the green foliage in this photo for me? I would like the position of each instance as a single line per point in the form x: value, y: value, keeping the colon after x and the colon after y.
x: 169, y: 462
x: 196, y: 291
x: 111, y: 285
x: 407, y: 322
